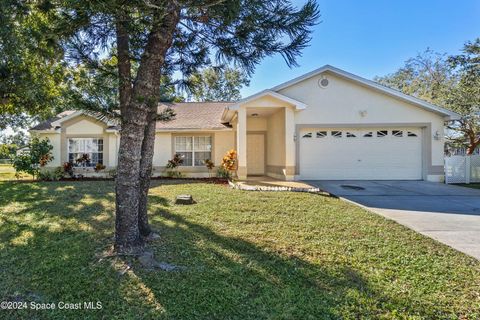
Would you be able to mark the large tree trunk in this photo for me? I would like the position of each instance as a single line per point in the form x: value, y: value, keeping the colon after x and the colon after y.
x: 133, y: 127
x: 146, y: 172
x: 127, y: 234
x: 127, y: 237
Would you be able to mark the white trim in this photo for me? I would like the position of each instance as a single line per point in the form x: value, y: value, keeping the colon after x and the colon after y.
x: 70, y: 116
x: 175, y: 151
x: 298, y: 105
x: 450, y: 115
x: 45, y: 131
x: 76, y: 114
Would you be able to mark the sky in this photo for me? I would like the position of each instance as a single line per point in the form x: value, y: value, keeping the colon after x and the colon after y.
x: 375, y: 37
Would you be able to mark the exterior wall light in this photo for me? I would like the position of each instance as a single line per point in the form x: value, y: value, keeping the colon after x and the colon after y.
x: 436, y: 136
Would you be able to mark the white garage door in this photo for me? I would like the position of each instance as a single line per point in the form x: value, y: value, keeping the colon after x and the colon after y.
x: 361, y: 154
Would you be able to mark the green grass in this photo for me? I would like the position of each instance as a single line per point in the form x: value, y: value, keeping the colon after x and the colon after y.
x: 7, y: 173
x: 471, y: 185
x: 248, y: 255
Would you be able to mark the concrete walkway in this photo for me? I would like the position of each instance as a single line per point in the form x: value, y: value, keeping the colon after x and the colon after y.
x: 449, y: 214
x: 264, y: 181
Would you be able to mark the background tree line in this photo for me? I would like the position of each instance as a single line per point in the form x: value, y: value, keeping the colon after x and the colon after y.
x: 452, y: 82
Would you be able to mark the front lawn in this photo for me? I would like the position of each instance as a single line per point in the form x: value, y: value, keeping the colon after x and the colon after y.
x: 471, y: 185
x: 247, y: 255
x: 7, y: 172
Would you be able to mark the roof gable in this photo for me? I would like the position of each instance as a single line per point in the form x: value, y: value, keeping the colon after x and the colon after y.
x: 372, y: 85
x: 269, y: 93
x: 55, y: 123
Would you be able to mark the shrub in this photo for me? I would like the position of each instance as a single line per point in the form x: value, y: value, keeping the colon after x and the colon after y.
x: 84, y: 158
x: 175, y: 162
x: 210, y: 165
x: 51, y: 174
x: 174, y: 174
x: 112, y: 173
x: 38, y: 156
x: 68, y: 169
x: 172, y: 165
x: 222, y: 173
x: 99, y: 167
x: 229, y: 162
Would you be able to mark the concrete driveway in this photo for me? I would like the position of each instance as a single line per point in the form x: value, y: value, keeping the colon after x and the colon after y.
x: 449, y: 214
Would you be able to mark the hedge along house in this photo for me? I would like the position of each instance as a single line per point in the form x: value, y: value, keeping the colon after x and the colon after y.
x: 327, y: 124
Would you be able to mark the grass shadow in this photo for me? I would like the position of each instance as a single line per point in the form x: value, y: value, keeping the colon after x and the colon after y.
x: 50, y: 234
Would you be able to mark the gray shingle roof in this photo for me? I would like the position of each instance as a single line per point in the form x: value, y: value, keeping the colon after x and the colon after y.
x: 194, y: 115
x: 189, y: 115
x: 47, y: 124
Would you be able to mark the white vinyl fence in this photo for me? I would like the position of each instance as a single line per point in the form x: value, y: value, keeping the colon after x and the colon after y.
x: 462, y: 169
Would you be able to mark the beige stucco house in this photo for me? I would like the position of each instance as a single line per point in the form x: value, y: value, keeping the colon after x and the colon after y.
x: 327, y: 124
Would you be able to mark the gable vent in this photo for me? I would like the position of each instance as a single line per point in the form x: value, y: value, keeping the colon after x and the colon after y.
x: 323, y: 83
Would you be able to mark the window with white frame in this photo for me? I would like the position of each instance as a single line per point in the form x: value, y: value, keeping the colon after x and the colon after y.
x: 85, y: 152
x: 194, y: 150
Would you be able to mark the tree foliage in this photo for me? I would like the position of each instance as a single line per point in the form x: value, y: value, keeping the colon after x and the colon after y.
x: 38, y: 155
x: 31, y: 64
x: 19, y: 138
x: 11, y: 143
x: 217, y: 84
x: 451, y: 82
x: 464, y: 98
x: 7, y: 150
x: 427, y: 76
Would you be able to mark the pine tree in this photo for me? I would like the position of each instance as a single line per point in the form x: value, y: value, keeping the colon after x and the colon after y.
x: 153, y: 38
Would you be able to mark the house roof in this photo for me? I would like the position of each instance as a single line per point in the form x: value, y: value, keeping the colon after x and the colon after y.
x: 188, y: 116
x: 49, y: 124
x: 195, y: 115
x: 373, y: 85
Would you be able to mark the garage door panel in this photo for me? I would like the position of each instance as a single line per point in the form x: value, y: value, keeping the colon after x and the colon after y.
x: 367, y: 153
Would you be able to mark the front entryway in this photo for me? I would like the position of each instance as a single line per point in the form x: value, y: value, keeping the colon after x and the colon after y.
x: 255, y: 154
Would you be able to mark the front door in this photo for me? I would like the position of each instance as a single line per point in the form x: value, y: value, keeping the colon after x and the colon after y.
x: 255, y: 154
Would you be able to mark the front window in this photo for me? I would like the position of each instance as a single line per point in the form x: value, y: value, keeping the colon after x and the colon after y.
x: 85, y: 152
x: 194, y: 150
